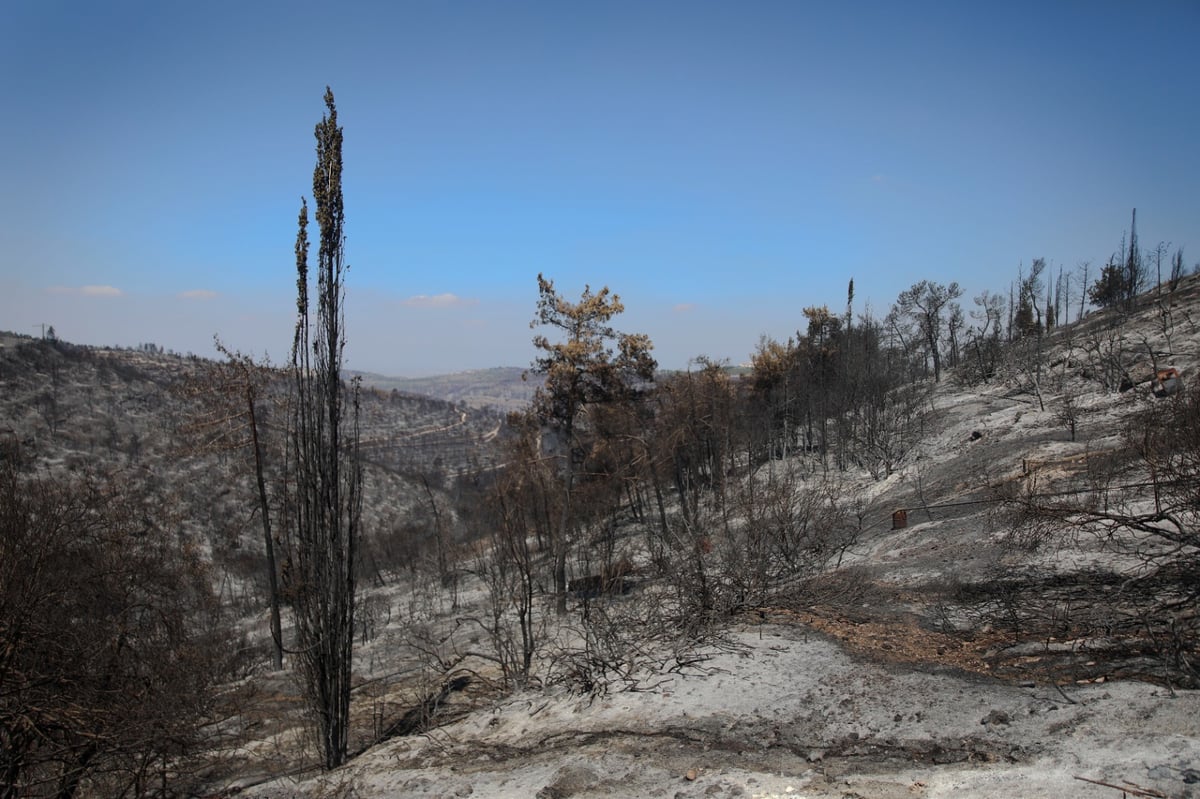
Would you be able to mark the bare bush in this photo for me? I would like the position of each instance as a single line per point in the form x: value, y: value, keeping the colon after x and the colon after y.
x: 769, y: 540
x: 891, y: 428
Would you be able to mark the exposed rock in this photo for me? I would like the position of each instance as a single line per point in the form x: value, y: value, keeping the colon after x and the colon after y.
x: 995, y: 717
x: 569, y: 781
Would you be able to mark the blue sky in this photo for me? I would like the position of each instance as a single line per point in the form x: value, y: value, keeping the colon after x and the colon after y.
x: 718, y: 165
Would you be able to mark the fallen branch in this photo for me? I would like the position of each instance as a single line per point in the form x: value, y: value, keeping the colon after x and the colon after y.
x: 1064, y: 694
x: 1128, y: 788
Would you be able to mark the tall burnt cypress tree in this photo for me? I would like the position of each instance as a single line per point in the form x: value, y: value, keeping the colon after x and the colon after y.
x: 326, y: 473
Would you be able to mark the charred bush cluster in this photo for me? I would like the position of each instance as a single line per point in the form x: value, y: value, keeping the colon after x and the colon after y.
x: 1143, y: 509
x: 113, y: 640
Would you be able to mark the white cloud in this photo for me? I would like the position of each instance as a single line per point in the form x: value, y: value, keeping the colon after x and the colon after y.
x: 87, y: 291
x: 197, y: 294
x: 438, y: 301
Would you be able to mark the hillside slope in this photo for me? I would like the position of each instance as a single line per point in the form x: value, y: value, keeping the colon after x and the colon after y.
x: 953, y: 656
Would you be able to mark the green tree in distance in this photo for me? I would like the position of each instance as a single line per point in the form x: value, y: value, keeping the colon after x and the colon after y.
x: 1111, y: 287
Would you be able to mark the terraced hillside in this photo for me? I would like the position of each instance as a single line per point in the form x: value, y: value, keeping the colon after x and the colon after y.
x: 80, y: 409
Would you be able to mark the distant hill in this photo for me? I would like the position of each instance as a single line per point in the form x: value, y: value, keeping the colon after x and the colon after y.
x: 500, y: 388
x: 71, y: 407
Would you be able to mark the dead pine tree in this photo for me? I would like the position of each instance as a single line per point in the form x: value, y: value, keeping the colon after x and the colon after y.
x: 327, y: 478
x: 590, y: 363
